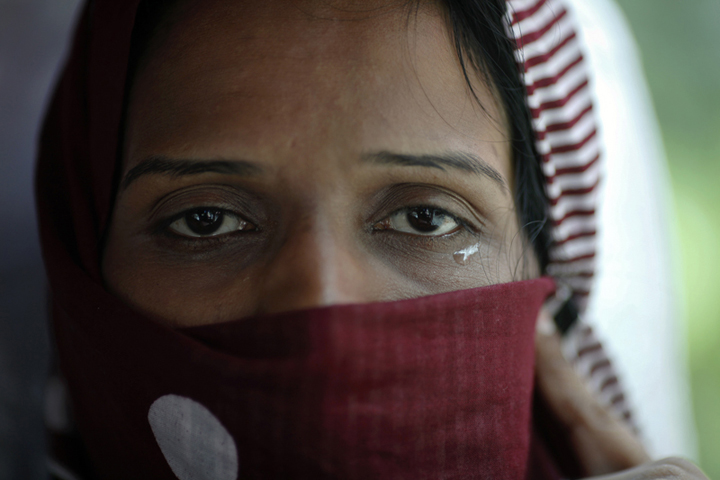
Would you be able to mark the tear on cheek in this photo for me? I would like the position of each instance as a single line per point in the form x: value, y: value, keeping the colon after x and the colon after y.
x: 462, y: 257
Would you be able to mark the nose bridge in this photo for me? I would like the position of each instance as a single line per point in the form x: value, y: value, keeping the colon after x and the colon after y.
x: 316, y: 265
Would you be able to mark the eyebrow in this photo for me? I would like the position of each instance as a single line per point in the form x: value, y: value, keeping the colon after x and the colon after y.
x: 463, y: 161
x: 160, y: 165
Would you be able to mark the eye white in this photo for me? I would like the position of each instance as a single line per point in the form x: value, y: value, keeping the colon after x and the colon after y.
x: 399, y: 221
x: 229, y: 223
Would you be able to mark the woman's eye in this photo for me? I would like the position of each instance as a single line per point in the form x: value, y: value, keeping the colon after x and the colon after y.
x: 208, y: 222
x: 426, y: 221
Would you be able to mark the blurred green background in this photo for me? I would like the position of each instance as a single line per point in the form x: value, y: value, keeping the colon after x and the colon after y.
x: 679, y: 42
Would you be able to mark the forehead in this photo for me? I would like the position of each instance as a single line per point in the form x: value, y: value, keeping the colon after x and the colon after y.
x: 266, y: 77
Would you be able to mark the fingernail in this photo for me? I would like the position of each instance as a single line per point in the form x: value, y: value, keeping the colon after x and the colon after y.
x: 545, y: 325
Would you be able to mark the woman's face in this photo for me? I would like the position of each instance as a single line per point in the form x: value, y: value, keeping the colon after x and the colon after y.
x: 287, y: 155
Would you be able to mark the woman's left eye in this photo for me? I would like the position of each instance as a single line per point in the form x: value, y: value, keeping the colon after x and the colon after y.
x: 423, y: 221
x: 208, y: 222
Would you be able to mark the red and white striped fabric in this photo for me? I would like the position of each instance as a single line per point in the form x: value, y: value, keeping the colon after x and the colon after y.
x: 549, y: 54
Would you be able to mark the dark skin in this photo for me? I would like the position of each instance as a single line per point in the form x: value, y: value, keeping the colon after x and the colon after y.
x: 281, y: 156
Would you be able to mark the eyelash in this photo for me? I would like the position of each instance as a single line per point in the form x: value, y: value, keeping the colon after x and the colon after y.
x: 462, y: 223
x: 163, y: 227
x: 212, y: 240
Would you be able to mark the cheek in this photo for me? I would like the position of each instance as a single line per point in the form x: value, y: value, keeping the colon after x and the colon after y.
x: 180, y: 288
x: 494, y: 257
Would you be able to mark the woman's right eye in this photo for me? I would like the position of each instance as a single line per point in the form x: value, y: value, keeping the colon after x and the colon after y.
x: 209, y: 222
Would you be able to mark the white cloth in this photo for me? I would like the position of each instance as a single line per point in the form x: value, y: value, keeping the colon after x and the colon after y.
x: 636, y: 307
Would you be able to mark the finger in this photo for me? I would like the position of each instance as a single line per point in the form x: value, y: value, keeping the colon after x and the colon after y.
x: 603, y: 443
x: 676, y: 468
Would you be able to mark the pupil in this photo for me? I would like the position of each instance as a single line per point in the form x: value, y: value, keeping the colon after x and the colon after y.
x: 423, y: 219
x: 204, y: 221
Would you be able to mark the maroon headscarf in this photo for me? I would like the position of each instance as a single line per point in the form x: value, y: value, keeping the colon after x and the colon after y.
x: 435, y: 387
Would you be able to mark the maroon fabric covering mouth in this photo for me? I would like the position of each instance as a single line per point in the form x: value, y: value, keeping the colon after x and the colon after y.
x: 433, y: 387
